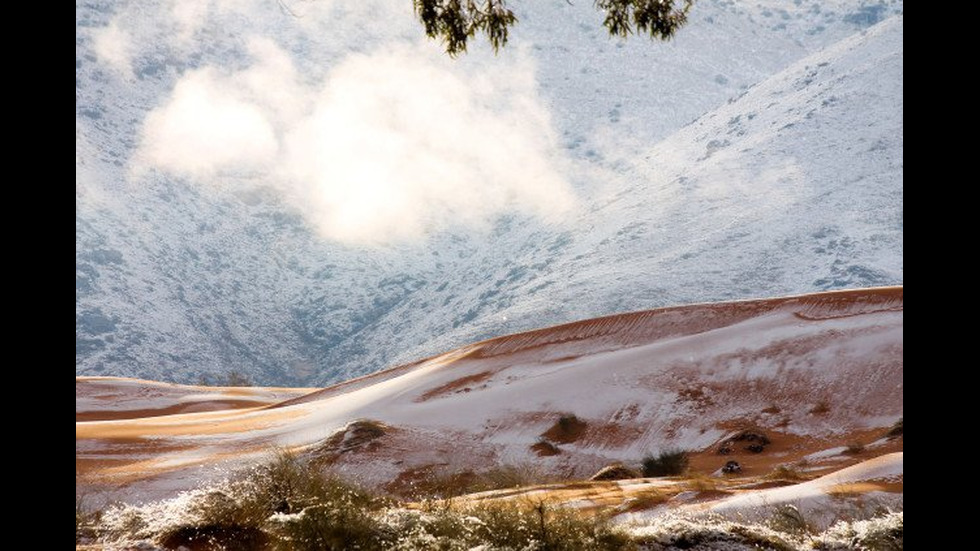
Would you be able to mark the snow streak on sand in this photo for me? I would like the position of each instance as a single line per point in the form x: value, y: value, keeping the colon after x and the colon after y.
x: 829, y: 364
x: 104, y: 398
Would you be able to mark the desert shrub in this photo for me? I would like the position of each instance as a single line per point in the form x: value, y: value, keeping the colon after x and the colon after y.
x: 285, y: 504
x: 666, y: 463
x: 789, y: 519
x: 885, y: 532
x: 310, y: 511
x: 454, y: 484
x: 86, y: 521
x: 547, y: 528
x: 854, y: 448
x: 896, y: 430
x: 500, y: 526
x: 700, y: 482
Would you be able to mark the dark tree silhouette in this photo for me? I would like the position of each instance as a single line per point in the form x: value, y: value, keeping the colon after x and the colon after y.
x: 454, y: 22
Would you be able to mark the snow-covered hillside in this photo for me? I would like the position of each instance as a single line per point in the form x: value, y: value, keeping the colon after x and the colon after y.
x: 790, y: 180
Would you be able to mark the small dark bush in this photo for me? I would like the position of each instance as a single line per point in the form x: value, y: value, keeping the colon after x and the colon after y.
x: 752, y: 441
x: 567, y: 422
x: 731, y: 467
x: 667, y: 463
x: 566, y: 430
x: 896, y: 430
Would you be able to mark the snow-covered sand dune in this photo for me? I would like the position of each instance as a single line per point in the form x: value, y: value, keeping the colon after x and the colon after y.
x: 812, y: 372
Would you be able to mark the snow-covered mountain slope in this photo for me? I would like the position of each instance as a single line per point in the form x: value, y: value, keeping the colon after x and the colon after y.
x: 811, y: 373
x: 795, y: 186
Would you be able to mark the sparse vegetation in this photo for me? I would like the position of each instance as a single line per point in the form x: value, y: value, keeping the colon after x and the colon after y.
x: 885, y: 532
x: 854, y: 448
x: 700, y: 482
x: 788, y: 518
x: 667, y: 463
x: 290, y: 505
x: 787, y: 473
x: 881, y: 533
x: 450, y: 485
x: 237, y: 378
x: 233, y: 378
x: 86, y: 521
x: 285, y: 504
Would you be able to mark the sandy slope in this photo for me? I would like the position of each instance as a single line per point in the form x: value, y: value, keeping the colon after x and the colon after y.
x: 106, y: 398
x: 813, y: 372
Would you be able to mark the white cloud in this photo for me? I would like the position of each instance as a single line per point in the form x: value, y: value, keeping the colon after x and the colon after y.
x: 389, y: 146
x: 189, y: 15
x: 207, y: 127
x: 113, y: 46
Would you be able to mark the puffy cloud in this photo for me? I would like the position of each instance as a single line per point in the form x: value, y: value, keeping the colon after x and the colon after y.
x: 388, y: 146
x: 207, y: 127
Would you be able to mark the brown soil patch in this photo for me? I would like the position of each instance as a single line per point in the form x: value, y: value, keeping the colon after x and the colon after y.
x: 545, y: 449
x: 463, y: 384
x: 359, y: 436
x: 567, y: 429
